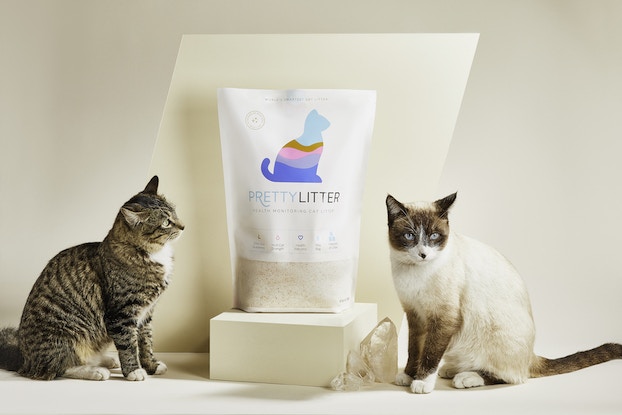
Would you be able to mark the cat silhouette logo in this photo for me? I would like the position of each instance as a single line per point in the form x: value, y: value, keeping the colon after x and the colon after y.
x: 298, y: 160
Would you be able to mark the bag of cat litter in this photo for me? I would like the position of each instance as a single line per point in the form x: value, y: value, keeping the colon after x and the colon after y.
x: 294, y: 164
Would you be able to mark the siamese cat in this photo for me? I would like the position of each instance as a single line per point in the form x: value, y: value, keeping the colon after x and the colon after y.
x: 465, y: 304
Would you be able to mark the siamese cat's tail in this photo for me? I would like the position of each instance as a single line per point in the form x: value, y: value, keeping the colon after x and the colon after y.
x: 10, y: 356
x: 547, y: 367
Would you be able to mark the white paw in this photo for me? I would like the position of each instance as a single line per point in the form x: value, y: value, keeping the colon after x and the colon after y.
x: 87, y: 372
x: 424, y: 386
x: 402, y: 379
x: 161, y: 369
x: 419, y: 386
x: 468, y: 380
x: 137, y: 375
x: 100, y: 373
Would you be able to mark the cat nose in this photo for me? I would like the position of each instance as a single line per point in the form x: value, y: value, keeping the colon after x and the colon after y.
x: 422, y: 255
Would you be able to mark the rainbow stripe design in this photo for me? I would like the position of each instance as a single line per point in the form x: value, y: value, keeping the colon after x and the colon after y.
x: 294, y: 154
x: 295, y: 163
x: 298, y: 160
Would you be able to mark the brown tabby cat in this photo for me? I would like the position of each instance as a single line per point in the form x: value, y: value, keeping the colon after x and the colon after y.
x: 99, y: 293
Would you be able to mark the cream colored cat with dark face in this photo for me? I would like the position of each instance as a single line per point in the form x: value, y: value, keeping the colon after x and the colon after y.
x: 465, y: 304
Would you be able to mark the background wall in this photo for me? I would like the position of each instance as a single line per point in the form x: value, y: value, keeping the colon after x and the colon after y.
x: 534, y: 154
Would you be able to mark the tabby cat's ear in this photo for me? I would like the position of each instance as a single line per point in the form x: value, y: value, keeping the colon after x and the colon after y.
x: 134, y: 214
x: 152, y: 186
x: 443, y: 205
x: 394, y: 208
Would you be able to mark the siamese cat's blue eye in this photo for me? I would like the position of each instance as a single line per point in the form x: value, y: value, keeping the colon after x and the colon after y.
x: 435, y: 236
x: 409, y: 236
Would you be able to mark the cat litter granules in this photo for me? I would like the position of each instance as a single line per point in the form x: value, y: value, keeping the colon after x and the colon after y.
x: 294, y: 165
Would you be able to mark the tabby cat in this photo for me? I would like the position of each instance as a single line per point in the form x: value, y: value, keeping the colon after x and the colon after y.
x: 99, y: 293
x: 466, y: 304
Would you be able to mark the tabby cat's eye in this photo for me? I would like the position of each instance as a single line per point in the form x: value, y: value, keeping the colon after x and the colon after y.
x: 166, y: 223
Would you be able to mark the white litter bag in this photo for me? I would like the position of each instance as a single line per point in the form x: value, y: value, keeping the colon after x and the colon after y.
x: 294, y: 164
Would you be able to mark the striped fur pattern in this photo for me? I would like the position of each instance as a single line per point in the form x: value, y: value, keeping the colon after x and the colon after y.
x: 465, y: 304
x: 97, y: 294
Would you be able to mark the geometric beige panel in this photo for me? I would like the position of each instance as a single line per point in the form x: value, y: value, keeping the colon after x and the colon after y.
x: 419, y: 79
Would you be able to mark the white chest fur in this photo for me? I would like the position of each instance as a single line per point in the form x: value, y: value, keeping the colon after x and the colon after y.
x: 164, y: 257
x: 424, y: 285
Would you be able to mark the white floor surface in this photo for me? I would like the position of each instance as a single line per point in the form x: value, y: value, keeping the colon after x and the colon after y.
x: 186, y: 389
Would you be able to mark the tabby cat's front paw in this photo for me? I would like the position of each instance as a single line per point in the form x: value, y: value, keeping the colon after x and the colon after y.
x: 137, y: 375
x: 160, y: 369
x: 155, y: 367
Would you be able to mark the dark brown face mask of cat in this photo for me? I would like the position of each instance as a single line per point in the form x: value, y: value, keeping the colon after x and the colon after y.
x: 419, y: 232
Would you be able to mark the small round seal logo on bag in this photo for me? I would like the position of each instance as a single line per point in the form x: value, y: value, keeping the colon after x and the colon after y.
x: 255, y: 120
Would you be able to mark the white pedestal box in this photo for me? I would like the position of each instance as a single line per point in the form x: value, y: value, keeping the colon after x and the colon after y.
x: 287, y: 348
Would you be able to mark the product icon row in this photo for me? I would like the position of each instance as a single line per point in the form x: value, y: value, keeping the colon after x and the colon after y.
x: 294, y: 241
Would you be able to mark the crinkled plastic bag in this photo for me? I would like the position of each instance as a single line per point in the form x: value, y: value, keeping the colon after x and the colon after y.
x: 294, y: 165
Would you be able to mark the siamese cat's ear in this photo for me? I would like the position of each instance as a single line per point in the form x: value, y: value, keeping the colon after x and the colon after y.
x: 394, y: 208
x: 443, y: 205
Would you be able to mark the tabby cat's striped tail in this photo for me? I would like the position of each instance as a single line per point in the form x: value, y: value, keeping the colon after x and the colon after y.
x: 10, y: 356
x: 580, y: 360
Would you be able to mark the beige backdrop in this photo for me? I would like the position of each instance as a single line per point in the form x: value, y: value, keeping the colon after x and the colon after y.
x: 534, y: 155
